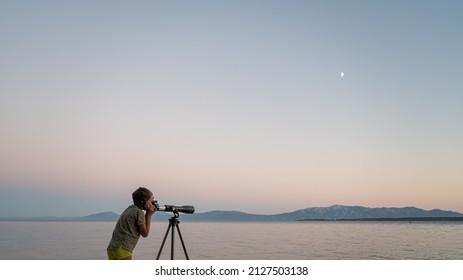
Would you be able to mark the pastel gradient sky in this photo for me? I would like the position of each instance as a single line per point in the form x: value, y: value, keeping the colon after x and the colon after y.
x: 231, y: 105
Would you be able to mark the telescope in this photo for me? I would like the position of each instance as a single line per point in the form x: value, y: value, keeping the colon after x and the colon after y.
x: 187, y: 209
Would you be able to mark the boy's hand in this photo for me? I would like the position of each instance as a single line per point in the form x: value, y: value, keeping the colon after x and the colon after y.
x: 151, y: 210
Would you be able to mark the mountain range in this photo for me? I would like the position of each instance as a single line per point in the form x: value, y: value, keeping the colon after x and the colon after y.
x: 335, y: 212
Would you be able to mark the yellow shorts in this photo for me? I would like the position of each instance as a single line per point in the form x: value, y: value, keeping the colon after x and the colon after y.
x: 118, y: 254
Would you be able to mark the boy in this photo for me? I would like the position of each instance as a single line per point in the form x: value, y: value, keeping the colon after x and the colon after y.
x: 131, y: 224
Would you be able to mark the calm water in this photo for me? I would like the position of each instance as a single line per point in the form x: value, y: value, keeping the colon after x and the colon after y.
x: 239, y: 241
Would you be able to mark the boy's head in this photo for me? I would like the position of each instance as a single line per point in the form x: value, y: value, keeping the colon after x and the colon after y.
x: 141, y: 195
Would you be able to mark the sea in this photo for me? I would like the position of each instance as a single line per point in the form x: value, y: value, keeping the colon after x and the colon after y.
x: 308, y: 240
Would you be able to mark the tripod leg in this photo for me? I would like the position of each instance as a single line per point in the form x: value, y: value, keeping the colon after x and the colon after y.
x: 183, y: 243
x: 164, y: 241
x: 172, y: 240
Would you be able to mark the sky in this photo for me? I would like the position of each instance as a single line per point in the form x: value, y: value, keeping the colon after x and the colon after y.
x: 230, y: 105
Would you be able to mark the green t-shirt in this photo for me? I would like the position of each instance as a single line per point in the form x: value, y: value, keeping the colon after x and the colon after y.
x: 126, y: 233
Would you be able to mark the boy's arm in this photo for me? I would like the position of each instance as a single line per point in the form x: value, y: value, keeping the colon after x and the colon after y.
x: 145, y: 228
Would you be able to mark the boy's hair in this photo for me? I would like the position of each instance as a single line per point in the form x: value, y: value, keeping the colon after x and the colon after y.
x: 141, y: 194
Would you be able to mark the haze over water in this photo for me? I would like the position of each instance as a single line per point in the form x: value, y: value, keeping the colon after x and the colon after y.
x: 241, y: 241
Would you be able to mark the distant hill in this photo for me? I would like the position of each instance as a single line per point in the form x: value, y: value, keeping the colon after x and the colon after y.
x: 335, y: 212
x: 104, y: 216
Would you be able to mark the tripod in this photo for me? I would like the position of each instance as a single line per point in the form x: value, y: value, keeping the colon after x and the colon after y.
x: 173, y: 222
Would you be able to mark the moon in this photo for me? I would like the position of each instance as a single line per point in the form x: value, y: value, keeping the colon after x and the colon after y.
x: 342, y: 74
